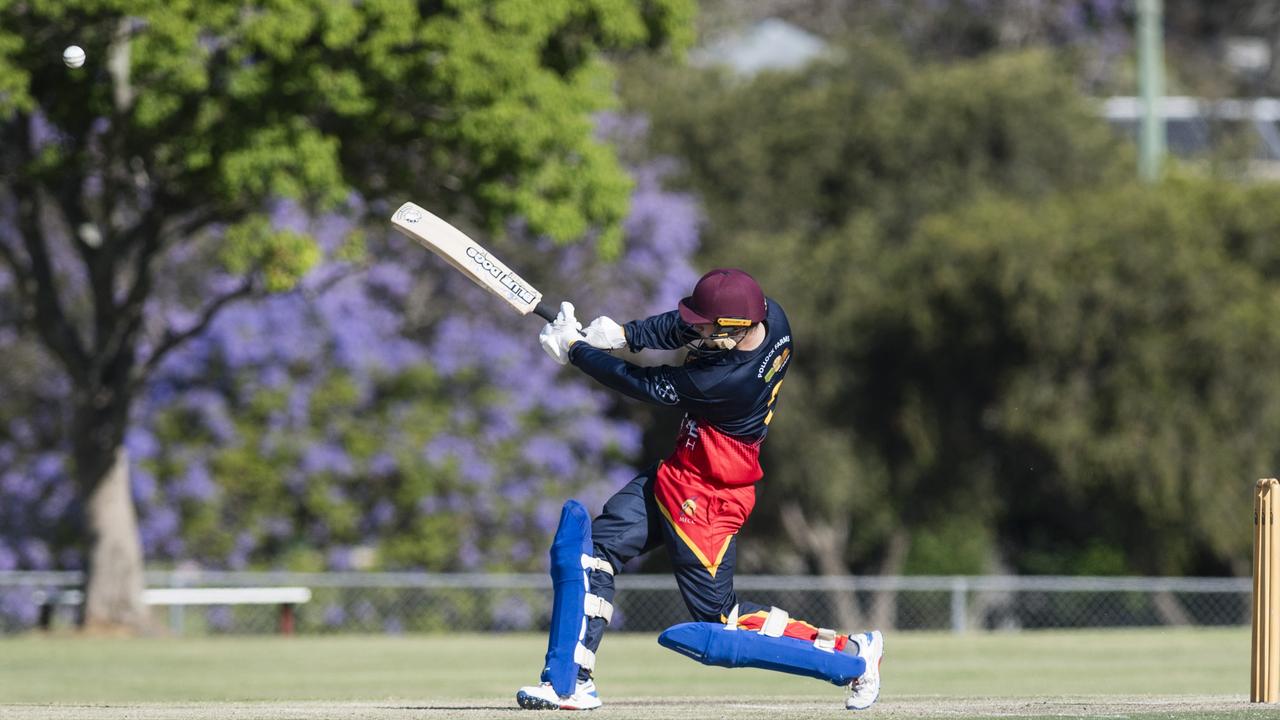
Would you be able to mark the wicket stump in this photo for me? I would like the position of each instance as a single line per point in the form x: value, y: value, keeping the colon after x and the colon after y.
x: 1264, y: 680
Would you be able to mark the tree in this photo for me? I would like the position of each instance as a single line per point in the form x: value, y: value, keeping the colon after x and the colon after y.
x: 852, y: 156
x: 192, y: 118
x: 1016, y: 358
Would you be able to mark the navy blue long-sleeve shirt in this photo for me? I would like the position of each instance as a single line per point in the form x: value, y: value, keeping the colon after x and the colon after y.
x: 734, y: 391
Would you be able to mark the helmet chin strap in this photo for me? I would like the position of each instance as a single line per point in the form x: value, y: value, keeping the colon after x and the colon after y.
x: 722, y: 343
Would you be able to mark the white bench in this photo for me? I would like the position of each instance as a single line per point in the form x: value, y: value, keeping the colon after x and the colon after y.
x: 286, y: 597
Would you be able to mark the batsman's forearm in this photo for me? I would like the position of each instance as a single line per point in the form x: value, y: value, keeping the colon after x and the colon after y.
x: 660, y: 332
x: 614, y: 373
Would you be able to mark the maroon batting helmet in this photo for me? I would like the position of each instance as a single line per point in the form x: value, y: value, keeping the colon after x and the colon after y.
x: 724, y: 296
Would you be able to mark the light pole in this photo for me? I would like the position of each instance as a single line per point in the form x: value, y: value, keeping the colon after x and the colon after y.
x: 1151, y: 139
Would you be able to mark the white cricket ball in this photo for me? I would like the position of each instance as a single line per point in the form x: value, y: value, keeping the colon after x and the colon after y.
x: 73, y: 56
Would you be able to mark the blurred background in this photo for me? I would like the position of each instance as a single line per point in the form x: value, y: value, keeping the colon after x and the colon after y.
x: 1028, y: 249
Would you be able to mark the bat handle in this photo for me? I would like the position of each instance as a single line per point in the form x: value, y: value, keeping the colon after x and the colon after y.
x: 546, y: 311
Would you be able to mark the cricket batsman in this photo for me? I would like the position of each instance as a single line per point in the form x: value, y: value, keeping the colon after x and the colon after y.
x: 693, y: 503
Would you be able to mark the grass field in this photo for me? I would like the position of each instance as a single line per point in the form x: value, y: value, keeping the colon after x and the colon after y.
x: 1179, y: 674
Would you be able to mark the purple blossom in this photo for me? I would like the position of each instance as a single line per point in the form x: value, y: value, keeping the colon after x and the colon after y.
x: 382, y: 514
x: 254, y: 379
x: 8, y: 557
x: 521, y: 550
x: 550, y: 454
x: 334, y: 615
x: 143, y: 484
x: 445, y: 447
x: 287, y: 214
x: 19, y: 605
x: 42, y: 131
x: 57, y: 503
x: 141, y: 443
x: 340, y: 559
x: 277, y: 527
x: 512, y: 613
x: 469, y: 556
x: 390, y: 278
x: 71, y: 559
x: 211, y: 408
x: 35, y: 553
x: 19, y: 487
x: 219, y: 618
x: 159, y: 526
x: 197, y: 484
x: 382, y: 464
x: 326, y: 457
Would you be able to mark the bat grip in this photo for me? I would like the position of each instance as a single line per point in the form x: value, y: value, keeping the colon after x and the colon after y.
x: 545, y: 311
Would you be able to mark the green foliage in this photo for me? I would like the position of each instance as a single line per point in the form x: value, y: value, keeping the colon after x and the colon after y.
x: 1008, y: 353
x: 872, y: 132
x: 479, y: 107
x: 279, y: 256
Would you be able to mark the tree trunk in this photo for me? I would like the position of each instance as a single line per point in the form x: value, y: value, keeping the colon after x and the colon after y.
x: 884, y: 607
x: 826, y: 544
x: 114, y: 582
x: 1170, y: 609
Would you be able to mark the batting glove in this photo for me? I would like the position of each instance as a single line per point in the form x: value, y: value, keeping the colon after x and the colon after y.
x: 605, y: 334
x: 557, y: 336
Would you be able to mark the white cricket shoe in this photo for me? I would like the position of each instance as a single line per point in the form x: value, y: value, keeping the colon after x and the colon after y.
x: 864, y: 689
x: 544, y: 697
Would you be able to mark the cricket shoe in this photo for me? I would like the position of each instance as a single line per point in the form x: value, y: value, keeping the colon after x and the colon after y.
x: 544, y: 697
x: 864, y: 689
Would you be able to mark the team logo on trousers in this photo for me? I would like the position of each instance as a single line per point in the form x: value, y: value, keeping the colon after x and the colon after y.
x: 689, y: 507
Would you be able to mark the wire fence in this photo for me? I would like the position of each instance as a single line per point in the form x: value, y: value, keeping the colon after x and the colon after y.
x: 422, y: 602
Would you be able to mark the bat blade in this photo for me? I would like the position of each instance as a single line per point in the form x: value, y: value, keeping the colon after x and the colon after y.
x: 470, y: 258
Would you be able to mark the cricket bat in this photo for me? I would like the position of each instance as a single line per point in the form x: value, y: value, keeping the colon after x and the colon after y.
x: 470, y: 259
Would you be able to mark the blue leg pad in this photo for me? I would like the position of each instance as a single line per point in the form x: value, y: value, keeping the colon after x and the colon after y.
x: 569, y: 583
x: 712, y: 644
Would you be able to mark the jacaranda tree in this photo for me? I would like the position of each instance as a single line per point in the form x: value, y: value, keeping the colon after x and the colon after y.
x: 192, y: 119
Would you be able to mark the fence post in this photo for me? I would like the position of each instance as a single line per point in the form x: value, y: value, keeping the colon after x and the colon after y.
x: 177, y: 617
x: 959, y: 603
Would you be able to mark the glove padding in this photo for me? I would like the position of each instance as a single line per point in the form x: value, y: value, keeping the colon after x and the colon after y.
x: 557, y: 336
x: 605, y: 334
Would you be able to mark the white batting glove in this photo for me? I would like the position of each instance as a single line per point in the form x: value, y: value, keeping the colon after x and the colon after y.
x: 565, y: 316
x: 556, y: 337
x: 605, y: 334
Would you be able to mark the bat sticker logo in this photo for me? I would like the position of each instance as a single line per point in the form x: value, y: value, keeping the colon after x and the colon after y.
x: 411, y: 215
x: 501, y: 274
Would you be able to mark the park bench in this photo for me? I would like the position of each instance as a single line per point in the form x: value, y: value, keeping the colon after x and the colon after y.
x: 287, y: 598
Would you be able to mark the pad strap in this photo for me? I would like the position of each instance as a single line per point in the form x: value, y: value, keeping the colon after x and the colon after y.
x: 775, y: 623
x: 826, y: 640
x: 596, y: 606
x: 584, y: 657
x: 731, y: 623
x: 595, y: 563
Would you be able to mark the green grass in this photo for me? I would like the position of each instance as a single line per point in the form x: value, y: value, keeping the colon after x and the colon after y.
x: 1036, y: 673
